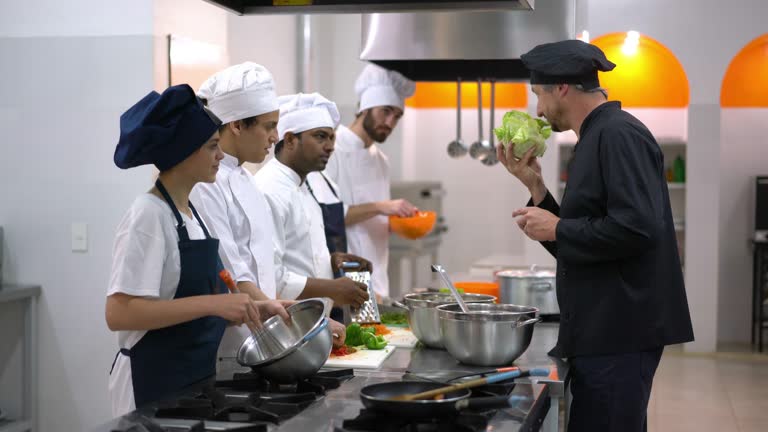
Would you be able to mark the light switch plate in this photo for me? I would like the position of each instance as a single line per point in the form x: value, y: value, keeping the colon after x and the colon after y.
x: 79, y: 237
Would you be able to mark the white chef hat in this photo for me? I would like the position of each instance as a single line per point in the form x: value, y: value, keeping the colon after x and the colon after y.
x: 377, y: 86
x: 240, y: 91
x: 302, y: 112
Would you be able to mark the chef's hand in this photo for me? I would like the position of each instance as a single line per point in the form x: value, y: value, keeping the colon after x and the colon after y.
x: 338, y: 258
x: 538, y: 224
x: 398, y: 207
x: 527, y: 170
x: 348, y: 292
x: 236, y: 308
x: 270, y: 308
x: 339, y: 332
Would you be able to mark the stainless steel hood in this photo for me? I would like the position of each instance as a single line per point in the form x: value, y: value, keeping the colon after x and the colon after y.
x: 248, y: 7
x: 444, y: 46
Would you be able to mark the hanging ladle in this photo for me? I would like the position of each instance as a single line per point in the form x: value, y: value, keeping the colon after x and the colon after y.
x: 479, y: 148
x: 456, y: 148
x: 490, y: 157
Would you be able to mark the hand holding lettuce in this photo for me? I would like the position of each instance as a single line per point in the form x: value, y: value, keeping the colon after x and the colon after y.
x: 524, y: 132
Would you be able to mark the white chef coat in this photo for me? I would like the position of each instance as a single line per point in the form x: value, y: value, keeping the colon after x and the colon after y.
x: 362, y: 175
x: 237, y: 214
x: 145, y: 263
x: 300, y: 248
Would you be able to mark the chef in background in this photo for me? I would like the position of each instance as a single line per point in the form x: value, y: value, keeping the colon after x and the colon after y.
x: 305, y: 268
x: 165, y: 298
x: 361, y: 169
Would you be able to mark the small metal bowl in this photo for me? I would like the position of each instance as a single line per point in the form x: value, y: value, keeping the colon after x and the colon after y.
x: 422, y: 315
x: 288, y: 352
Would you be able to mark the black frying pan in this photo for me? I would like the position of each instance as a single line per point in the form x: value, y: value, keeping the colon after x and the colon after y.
x: 377, y: 397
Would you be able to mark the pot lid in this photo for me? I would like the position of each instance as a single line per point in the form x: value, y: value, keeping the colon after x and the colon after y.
x: 533, y: 272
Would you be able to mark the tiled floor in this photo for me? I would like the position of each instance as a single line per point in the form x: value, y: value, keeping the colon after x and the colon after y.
x: 720, y: 392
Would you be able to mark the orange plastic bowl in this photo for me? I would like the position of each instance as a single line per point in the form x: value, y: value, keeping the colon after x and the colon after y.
x: 489, y: 288
x: 413, y: 227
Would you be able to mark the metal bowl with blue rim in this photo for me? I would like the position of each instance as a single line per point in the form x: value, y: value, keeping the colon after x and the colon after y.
x: 287, y: 352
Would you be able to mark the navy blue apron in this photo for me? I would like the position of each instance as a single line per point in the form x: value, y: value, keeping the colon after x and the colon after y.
x: 335, y: 233
x: 169, y: 359
x: 333, y: 219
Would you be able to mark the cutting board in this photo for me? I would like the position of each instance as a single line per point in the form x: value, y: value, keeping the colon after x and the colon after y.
x: 362, y: 359
x: 401, y: 337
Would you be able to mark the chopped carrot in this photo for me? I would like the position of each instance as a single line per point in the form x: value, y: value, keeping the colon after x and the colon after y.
x: 380, y: 329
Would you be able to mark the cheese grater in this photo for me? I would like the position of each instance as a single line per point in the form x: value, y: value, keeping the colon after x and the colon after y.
x: 368, y: 313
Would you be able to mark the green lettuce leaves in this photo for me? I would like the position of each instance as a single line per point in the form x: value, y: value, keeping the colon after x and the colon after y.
x: 524, y: 132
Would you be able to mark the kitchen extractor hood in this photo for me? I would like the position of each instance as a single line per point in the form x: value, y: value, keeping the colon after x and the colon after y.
x: 248, y: 7
x: 444, y: 46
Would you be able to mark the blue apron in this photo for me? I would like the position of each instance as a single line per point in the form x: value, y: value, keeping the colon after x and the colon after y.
x: 333, y: 219
x: 335, y: 233
x: 169, y: 359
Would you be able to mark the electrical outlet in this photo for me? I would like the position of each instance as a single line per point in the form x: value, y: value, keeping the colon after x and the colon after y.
x: 79, y: 237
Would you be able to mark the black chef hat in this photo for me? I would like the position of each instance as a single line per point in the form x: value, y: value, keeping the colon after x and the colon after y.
x: 164, y: 129
x: 566, y: 62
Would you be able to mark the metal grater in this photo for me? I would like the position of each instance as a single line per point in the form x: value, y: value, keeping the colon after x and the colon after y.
x: 368, y: 313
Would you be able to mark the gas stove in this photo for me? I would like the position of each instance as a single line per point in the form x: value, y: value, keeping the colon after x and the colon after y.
x: 466, y: 421
x: 245, y: 403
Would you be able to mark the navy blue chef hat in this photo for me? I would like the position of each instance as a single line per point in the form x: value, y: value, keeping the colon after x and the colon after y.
x: 566, y: 62
x: 164, y: 129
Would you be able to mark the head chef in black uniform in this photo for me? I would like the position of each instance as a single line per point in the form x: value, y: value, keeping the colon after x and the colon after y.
x: 619, y: 280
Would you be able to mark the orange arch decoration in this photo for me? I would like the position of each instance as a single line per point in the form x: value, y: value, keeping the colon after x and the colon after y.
x: 744, y: 83
x: 443, y: 95
x: 647, y: 74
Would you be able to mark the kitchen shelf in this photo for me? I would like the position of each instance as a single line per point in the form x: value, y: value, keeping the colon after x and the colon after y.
x: 27, y: 296
x: 15, y: 425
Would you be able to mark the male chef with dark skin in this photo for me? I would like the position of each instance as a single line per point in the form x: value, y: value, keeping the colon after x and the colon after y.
x: 619, y: 280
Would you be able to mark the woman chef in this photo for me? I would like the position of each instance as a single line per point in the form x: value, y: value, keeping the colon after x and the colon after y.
x: 165, y: 268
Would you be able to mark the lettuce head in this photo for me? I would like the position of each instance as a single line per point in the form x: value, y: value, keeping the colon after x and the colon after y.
x: 524, y: 132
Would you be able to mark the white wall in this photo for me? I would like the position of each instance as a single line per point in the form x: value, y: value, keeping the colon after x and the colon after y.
x: 196, y: 20
x: 268, y: 40
x: 479, y: 199
x: 56, y: 18
x: 77, y: 65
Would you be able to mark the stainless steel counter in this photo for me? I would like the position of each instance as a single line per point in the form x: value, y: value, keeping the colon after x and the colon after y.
x: 329, y: 412
x: 422, y: 359
x: 343, y: 403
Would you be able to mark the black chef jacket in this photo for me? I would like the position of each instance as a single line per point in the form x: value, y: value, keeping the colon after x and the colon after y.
x: 619, y: 280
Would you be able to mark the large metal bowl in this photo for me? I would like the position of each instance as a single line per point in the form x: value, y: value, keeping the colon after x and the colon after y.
x: 422, y: 315
x: 489, y: 334
x: 288, y: 352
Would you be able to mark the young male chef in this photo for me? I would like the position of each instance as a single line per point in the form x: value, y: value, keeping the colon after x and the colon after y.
x: 305, y: 267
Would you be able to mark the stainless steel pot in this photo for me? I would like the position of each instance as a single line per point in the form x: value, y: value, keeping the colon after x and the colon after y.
x: 534, y: 287
x: 489, y: 334
x: 288, y: 352
x: 422, y: 315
